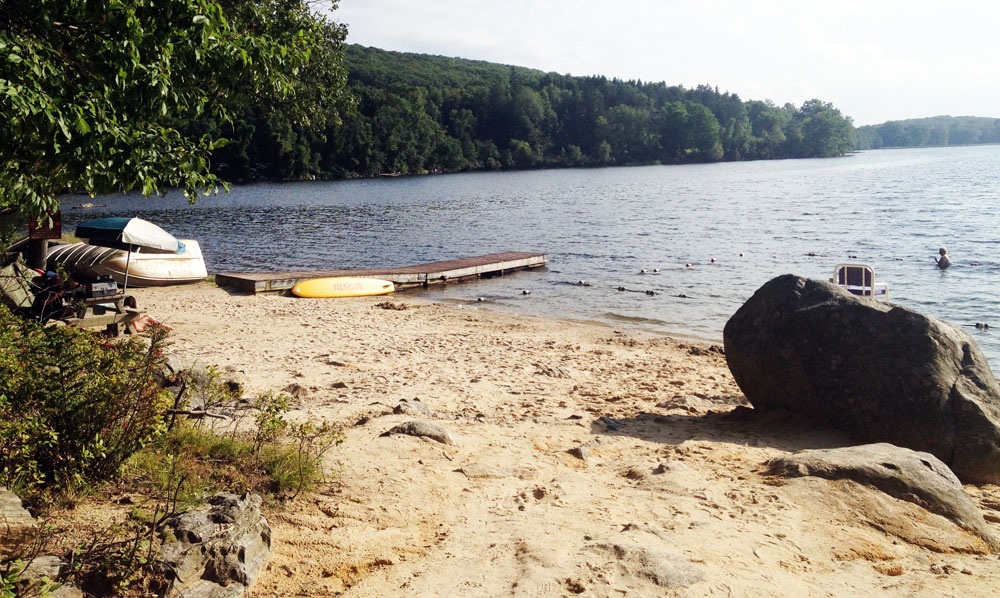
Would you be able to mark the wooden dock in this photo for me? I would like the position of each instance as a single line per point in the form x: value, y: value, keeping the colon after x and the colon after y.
x: 483, y: 266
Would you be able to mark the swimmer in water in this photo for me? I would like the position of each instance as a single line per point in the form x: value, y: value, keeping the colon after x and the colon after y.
x: 943, y: 261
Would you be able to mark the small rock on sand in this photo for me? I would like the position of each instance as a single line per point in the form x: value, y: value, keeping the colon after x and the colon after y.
x: 414, y: 407
x: 424, y: 430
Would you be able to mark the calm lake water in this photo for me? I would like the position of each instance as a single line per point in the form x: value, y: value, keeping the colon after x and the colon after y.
x: 889, y: 208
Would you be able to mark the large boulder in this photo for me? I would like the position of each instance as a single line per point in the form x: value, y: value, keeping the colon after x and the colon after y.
x: 902, y: 473
x: 880, y: 373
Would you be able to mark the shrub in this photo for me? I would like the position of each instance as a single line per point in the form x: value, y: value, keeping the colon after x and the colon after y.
x: 73, y: 406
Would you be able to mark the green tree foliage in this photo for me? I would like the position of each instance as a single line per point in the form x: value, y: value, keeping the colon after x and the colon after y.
x: 107, y: 95
x: 416, y: 113
x: 937, y: 131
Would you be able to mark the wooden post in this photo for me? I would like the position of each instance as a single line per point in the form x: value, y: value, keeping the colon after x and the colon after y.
x: 37, y: 254
x: 39, y: 234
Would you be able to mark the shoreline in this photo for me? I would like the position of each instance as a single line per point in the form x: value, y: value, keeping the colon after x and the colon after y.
x: 586, y: 461
x: 635, y: 324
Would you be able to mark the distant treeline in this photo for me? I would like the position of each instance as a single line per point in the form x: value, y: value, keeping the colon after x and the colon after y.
x: 414, y: 113
x: 936, y: 130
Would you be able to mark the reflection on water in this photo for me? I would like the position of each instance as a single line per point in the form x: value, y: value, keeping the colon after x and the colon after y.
x: 891, y: 209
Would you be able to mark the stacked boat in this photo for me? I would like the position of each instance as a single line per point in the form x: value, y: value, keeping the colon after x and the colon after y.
x: 145, y: 268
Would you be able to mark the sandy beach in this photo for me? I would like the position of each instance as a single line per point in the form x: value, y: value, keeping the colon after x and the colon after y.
x: 586, y: 460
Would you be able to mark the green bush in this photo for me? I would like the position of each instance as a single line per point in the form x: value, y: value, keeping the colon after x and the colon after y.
x: 74, y: 406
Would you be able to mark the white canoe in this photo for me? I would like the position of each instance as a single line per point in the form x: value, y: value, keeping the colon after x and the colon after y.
x: 144, y: 269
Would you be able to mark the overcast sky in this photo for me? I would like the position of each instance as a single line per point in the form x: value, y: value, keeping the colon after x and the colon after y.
x: 875, y: 60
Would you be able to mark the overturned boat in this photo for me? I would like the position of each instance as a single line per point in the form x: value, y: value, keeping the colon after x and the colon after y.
x: 145, y: 268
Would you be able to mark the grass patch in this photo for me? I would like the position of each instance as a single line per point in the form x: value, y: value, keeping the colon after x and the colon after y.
x: 191, y: 462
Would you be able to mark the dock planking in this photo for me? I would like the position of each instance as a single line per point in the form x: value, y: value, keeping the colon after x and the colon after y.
x: 483, y: 266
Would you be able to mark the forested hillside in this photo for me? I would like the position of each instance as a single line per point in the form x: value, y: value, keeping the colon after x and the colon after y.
x: 415, y: 113
x: 936, y: 130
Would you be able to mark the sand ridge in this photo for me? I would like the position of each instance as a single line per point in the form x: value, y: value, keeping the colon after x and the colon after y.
x: 668, y: 499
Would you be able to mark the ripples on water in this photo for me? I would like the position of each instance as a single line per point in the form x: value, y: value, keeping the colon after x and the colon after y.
x: 891, y: 208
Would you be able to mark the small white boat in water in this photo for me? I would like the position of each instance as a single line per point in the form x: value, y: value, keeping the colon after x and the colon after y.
x: 145, y: 269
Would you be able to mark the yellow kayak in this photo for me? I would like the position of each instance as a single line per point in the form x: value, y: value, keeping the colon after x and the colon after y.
x: 342, y: 286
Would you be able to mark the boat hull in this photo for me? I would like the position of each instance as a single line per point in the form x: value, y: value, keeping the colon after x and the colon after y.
x: 144, y: 269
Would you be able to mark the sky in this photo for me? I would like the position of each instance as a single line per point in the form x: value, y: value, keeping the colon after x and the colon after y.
x: 875, y: 60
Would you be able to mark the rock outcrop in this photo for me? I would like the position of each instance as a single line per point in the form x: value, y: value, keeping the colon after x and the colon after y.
x: 17, y: 527
x: 880, y: 373
x: 176, y: 370
x: 219, y: 549
x: 917, y: 477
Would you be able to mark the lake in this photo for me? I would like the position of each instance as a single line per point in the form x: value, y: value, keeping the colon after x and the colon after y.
x: 891, y: 209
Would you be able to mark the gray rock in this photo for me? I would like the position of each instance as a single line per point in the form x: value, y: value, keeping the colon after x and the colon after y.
x: 219, y: 548
x: 44, y: 566
x: 920, y: 478
x: 296, y: 390
x: 50, y: 567
x: 422, y: 429
x: 172, y: 366
x: 16, y: 524
x: 175, y: 368
x: 414, y: 407
x: 68, y: 591
x: 880, y: 373
x: 610, y: 424
x: 580, y: 452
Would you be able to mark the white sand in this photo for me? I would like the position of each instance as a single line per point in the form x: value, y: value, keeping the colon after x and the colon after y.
x: 673, y: 503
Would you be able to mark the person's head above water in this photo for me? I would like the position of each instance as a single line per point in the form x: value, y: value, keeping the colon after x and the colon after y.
x: 942, y: 251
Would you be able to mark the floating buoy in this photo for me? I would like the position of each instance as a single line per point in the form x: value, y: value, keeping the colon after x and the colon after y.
x: 899, y: 259
x: 583, y: 283
x: 853, y: 257
x: 650, y: 292
x: 643, y: 271
x: 525, y: 292
x: 982, y: 326
x: 621, y: 288
x: 811, y: 254
x: 656, y: 269
x: 741, y: 254
x: 480, y: 299
x: 712, y: 260
x: 682, y: 296
x: 687, y: 265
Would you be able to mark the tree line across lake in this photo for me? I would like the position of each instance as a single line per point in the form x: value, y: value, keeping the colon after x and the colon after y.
x: 411, y: 113
x: 933, y: 131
